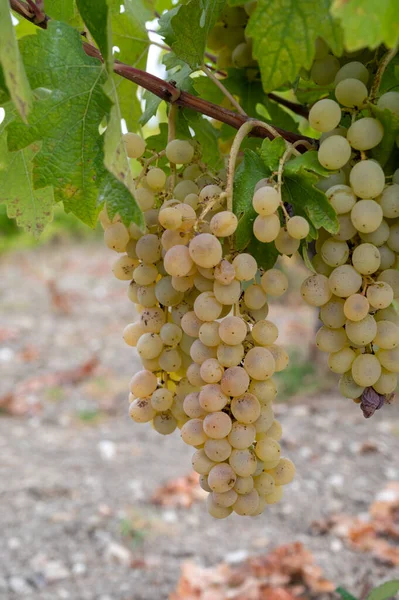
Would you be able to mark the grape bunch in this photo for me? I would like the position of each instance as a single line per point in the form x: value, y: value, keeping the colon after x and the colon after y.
x: 356, y: 277
x: 267, y: 203
x: 227, y: 38
x: 207, y: 349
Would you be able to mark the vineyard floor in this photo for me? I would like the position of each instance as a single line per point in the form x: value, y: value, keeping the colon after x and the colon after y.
x: 77, y: 476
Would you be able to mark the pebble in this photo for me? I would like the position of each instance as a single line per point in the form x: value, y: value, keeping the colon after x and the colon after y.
x: 18, y: 585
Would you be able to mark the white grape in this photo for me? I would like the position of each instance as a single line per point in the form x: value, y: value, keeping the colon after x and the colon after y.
x: 324, y: 115
x: 367, y: 179
x: 334, y: 152
x: 353, y: 69
x: 179, y: 152
x: 134, y: 145
x: 365, y: 133
x: 389, y: 101
x: 366, y: 215
x: 351, y: 92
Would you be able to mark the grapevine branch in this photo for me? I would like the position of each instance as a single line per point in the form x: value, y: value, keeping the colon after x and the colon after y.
x: 166, y: 90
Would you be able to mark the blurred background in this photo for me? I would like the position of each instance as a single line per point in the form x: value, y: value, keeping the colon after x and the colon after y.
x: 96, y: 507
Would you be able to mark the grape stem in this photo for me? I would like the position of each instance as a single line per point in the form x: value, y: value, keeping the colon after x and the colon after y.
x: 386, y: 59
x: 224, y: 90
x: 146, y: 164
x: 171, y: 136
x: 168, y: 92
x: 241, y: 134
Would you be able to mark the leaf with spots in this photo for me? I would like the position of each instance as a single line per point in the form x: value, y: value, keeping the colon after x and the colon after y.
x: 11, y: 61
x: 284, y: 34
x: 32, y: 208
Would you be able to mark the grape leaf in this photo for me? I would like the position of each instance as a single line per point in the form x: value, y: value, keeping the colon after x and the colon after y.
x: 367, y: 23
x: 117, y: 162
x: 165, y: 28
x: 31, y: 208
x: 191, y: 25
x: 61, y: 11
x: 129, y: 33
x: 119, y: 201
x: 271, y: 151
x: 251, y: 169
x: 292, y: 27
x: 383, y: 151
x: 385, y: 591
x: 179, y: 73
x: 129, y: 103
x: 299, y: 178
x: 11, y: 61
x: 345, y: 595
x: 97, y: 18
x: 65, y: 118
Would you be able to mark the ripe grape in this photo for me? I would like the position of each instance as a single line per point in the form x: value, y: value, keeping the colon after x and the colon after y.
x: 266, y: 200
x: 334, y: 152
x: 179, y: 152
x: 298, y: 227
x: 367, y: 180
x: 355, y: 70
x: 366, y: 369
x: 315, y: 290
x: 351, y: 92
x: 365, y: 133
x: 366, y: 259
x: 341, y: 198
x: 266, y: 228
x: 134, y: 145
x: 324, y: 115
x: 389, y: 101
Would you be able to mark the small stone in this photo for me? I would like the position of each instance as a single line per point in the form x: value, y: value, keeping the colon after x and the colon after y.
x: 18, y: 585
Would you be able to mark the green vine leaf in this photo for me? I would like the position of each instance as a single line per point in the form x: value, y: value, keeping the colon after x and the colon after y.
x: 385, y: 591
x: 367, y: 23
x: 11, y: 61
x: 32, y: 208
x: 390, y: 123
x: 345, y: 595
x: 299, y: 178
x: 292, y: 28
x: 97, y: 18
x: 61, y: 11
x: 250, y: 171
x: 191, y: 25
x: 65, y: 118
x: 117, y: 162
x: 119, y: 201
x: 271, y: 151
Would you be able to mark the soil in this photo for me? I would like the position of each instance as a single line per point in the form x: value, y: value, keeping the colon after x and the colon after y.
x: 77, y: 476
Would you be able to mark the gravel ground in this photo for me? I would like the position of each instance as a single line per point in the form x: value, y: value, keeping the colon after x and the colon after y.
x: 76, y: 475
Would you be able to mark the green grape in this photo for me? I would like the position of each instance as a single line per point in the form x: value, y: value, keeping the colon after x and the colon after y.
x: 266, y: 228
x: 341, y: 198
x: 377, y: 237
x: 351, y: 92
x: 324, y: 71
x: 347, y: 230
x: 366, y: 215
x: 361, y: 332
x: 242, y: 56
x: 355, y: 70
x: 387, y: 382
x: 389, y: 201
x: 366, y: 259
x: 389, y: 101
x: 274, y: 282
x: 134, y: 145
x: 387, y: 336
x: 366, y: 370
x: 341, y: 361
x: 331, y: 340
x: 365, y: 133
x: 367, y: 180
x: 315, y: 290
x: 348, y: 387
x: 266, y: 200
x: 116, y: 237
x: 391, y: 277
x: 156, y: 179
x: 324, y: 115
x: 334, y: 152
x: 286, y: 244
x: 334, y: 253
x: 179, y: 152
x: 332, y: 314
x: 356, y: 307
x: 380, y: 294
x: 298, y: 227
